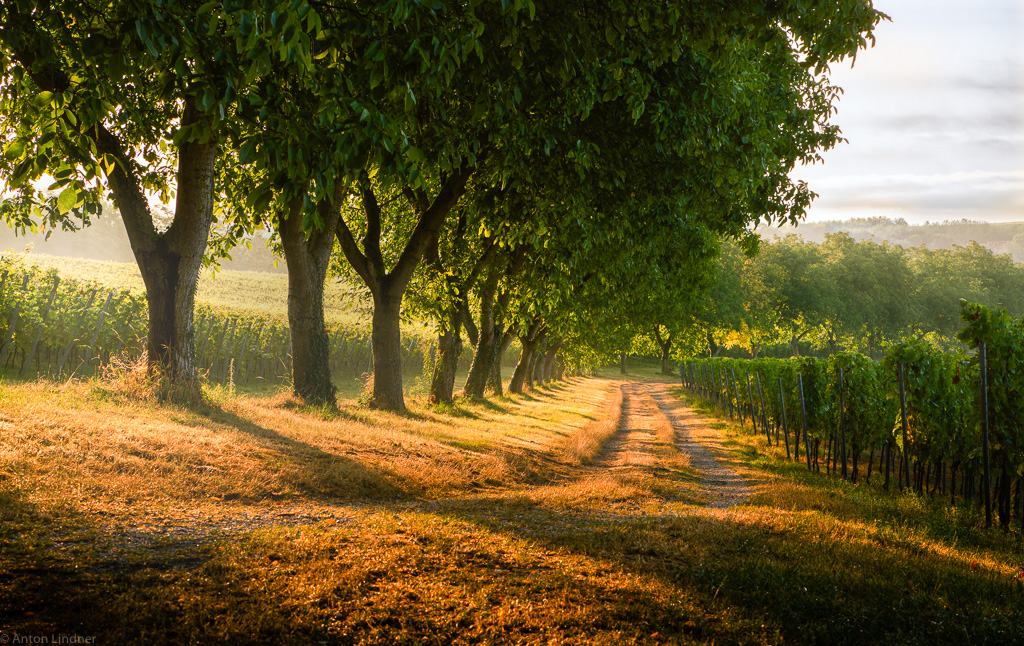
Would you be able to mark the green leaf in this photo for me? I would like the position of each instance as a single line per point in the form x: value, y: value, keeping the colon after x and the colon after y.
x: 67, y: 200
x: 245, y: 25
x: 259, y: 199
x: 14, y: 149
x: 247, y: 152
x: 416, y: 155
x: 43, y: 99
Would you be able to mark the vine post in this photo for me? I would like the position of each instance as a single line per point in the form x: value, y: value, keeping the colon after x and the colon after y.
x: 803, y: 419
x: 750, y: 396
x: 842, y: 423
x: 903, y: 418
x: 764, y: 411
x: 739, y: 408
x: 984, y: 435
x: 782, y: 409
x: 728, y: 397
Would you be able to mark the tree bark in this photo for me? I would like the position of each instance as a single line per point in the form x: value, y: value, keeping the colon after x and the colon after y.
x: 388, y: 287
x: 549, y: 360
x: 449, y: 348
x: 665, y: 344
x: 495, y: 381
x: 713, y: 348
x: 524, y: 369
x: 386, y: 342
x: 488, y: 340
x: 537, y: 365
x: 170, y: 261
x: 449, y: 342
x: 307, y: 259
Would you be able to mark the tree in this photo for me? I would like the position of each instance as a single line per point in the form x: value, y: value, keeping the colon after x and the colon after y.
x: 134, y: 98
x: 797, y: 286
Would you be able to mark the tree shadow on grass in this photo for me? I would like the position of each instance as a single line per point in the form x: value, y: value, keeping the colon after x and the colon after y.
x: 324, y: 474
x: 798, y: 585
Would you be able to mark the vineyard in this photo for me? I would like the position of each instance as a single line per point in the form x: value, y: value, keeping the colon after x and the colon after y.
x: 61, y: 327
x: 937, y: 422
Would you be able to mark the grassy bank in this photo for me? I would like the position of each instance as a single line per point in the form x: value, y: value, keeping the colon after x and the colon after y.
x: 254, y: 520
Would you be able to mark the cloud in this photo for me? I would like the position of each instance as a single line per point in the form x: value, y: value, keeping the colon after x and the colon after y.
x: 995, y: 195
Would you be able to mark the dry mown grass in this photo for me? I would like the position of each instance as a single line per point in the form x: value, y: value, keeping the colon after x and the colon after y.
x: 90, y: 442
x: 586, y: 443
x: 258, y: 521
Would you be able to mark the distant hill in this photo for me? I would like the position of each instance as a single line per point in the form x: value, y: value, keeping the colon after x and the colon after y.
x: 1000, y: 237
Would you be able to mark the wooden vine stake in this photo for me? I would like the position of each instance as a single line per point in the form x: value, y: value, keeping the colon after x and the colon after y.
x: 903, y: 417
x: 842, y: 423
x: 764, y: 411
x: 74, y: 335
x: 10, y: 327
x: 984, y: 437
x: 750, y: 396
x: 39, y: 330
x: 785, y: 428
x: 728, y: 397
x: 95, y: 335
x: 739, y: 408
x: 803, y: 418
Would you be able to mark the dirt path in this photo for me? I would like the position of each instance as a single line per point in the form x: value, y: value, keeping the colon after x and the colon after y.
x: 648, y: 405
x: 633, y: 445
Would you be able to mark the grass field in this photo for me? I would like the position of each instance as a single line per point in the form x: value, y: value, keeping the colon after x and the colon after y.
x: 254, y: 520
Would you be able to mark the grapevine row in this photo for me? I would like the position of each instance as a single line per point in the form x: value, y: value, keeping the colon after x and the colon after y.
x: 63, y: 327
x: 929, y: 417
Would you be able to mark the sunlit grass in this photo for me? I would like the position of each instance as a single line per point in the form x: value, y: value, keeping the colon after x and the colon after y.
x: 256, y: 519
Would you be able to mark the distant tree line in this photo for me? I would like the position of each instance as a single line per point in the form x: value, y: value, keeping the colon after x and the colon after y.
x: 798, y: 297
x: 1000, y: 237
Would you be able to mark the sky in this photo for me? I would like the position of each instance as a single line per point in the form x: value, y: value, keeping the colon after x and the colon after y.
x: 934, y: 115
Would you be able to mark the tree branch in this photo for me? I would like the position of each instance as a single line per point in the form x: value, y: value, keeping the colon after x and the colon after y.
x: 429, y: 223
x: 371, y: 241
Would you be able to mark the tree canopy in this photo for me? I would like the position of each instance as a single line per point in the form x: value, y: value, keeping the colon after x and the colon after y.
x: 556, y: 171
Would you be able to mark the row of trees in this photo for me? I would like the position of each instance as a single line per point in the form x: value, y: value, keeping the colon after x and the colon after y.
x: 845, y: 294
x: 540, y: 169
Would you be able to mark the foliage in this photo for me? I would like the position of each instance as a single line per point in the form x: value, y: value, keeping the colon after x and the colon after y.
x: 844, y: 294
x: 1003, y: 339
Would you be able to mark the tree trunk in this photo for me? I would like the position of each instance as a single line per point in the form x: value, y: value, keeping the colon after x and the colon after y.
x: 524, y: 369
x: 537, y: 373
x: 388, y: 287
x: 622, y: 363
x: 170, y: 261
x: 549, y: 361
x: 665, y: 344
x: 386, y: 341
x: 307, y: 260
x: 170, y: 296
x: 449, y: 348
x: 489, y: 339
x: 713, y: 348
x: 519, y: 376
x: 495, y: 381
x: 531, y: 368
